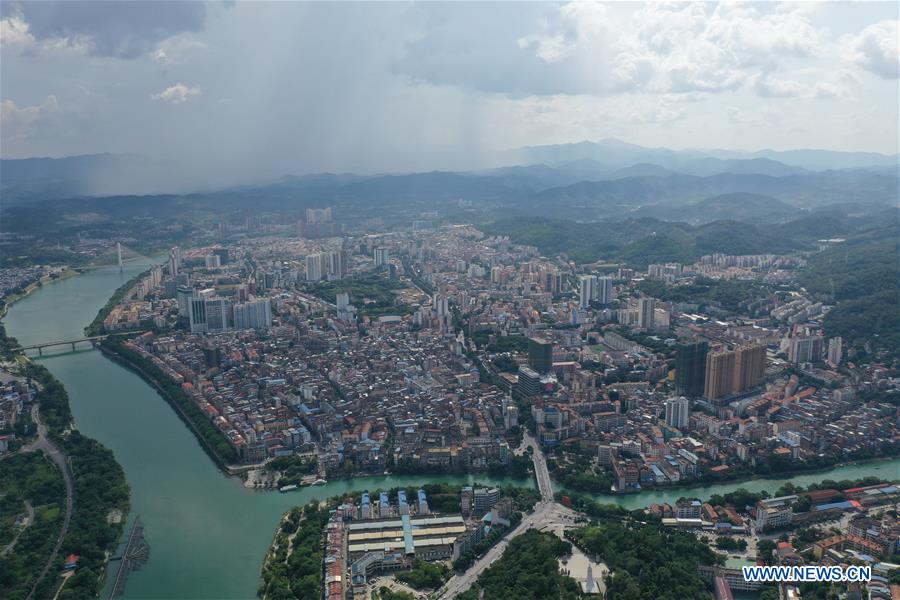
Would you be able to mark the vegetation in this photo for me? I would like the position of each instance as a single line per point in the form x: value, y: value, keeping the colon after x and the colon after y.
x: 293, y: 566
x: 764, y: 549
x: 863, y: 276
x: 28, y: 478
x: 506, y: 364
x: 574, y: 468
x: 728, y: 543
x: 647, y: 561
x: 729, y: 294
x: 739, y: 498
x: 292, y: 468
x: 467, y: 559
x: 640, y: 242
x: 528, y: 569
x: 213, y: 440
x: 501, y: 343
x: 386, y: 593
x: 100, y: 489
x: 583, y: 503
x: 99, y: 486
x: 425, y: 575
x: 368, y: 293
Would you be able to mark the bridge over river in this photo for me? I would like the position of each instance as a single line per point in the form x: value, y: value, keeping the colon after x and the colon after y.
x: 73, y: 342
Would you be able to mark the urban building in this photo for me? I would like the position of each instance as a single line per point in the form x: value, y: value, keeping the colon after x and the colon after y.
x: 690, y: 369
x: 678, y: 412
x: 540, y: 355
x: 807, y: 348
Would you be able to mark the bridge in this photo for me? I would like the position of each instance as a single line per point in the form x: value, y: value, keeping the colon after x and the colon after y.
x: 134, y: 556
x: 93, y: 340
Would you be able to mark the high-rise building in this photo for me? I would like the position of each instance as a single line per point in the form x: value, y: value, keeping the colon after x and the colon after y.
x: 690, y: 369
x: 647, y: 313
x: 212, y: 261
x: 529, y: 382
x: 208, y: 315
x: 173, y: 264
x: 734, y: 371
x: 317, y: 216
x: 382, y: 256
x: 835, y: 350
x: 183, y: 295
x: 327, y: 265
x: 342, y: 300
x: 678, y: 412
x: 719, y: 374
x: 314, y: 270
x: 338, y: 261
x: 807, y: 348
x: 256, y: 314
x: 749, y: 368
x: 540, y: 355
x: 603, y: 290
x: 441, y: 305
x: 553, y: 282
x: 585, y: 290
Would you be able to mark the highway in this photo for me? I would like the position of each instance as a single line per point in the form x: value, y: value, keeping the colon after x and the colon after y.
x: 547, y: 513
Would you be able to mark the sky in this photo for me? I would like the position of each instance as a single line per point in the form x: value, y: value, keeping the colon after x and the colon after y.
x: 241, y: 91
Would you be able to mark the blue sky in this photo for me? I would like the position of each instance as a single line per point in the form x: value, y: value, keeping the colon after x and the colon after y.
x: 262, y: 89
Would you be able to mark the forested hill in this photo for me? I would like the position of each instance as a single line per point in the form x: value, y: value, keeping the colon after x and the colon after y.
x: 639, y: 242
x: 862, y: 278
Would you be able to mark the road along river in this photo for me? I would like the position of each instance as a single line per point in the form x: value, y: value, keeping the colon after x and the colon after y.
x: 207, y: 532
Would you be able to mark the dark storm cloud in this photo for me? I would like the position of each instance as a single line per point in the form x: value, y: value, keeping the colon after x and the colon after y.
x: 121, y: 29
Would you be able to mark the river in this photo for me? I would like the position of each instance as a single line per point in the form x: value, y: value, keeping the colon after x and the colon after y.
x: 207, y: 532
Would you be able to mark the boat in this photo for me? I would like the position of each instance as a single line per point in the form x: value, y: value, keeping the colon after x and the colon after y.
x: 287, y: 488
x: 319, y: 482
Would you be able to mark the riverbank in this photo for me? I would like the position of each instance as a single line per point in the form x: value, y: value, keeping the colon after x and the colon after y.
x: 10, y: 300
x: 96, y: 326
x: 737, y: 481
x: 94, y: 481
x: 114, y: 351
x: 117, y: 353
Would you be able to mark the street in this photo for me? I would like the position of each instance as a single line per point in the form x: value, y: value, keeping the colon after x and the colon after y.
x: 547, y: 514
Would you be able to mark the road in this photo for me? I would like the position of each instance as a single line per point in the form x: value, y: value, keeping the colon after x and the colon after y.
x: 29, y: 511
x: 541, y: 473
x: 547, y: 514
x: 45, y: 445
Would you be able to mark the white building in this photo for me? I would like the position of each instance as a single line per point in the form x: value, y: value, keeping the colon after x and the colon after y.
x: 678, y: 412
x: 256, y: 314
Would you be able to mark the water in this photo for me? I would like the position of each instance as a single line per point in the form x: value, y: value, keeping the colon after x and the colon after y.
x: 207, y: 532
x: 889, y: 469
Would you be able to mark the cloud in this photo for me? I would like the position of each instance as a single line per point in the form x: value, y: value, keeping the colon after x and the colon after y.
x: 14, y: 33
x: 176, y: 49
x: 120, y: 29
x: 768, y: 87
x: 17, y: 122
x: 417, y: 86
x: 177, y: 94
x: 766, y: 116
x: 877, y: 49
x: 598, y: 49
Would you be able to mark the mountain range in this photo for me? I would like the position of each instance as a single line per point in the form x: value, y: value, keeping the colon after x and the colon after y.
x: 588, y: 181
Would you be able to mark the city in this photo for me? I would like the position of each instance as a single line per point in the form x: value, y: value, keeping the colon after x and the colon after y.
x: 433, y: 301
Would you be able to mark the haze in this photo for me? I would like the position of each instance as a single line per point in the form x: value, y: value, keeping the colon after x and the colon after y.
x: 236, y: 93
